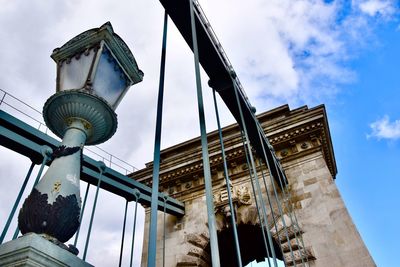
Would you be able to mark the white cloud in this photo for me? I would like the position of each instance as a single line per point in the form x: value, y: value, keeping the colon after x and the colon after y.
x: 280, y: 48
x: 384, y: 8
x: 385, y: 129
x: 292, y: 51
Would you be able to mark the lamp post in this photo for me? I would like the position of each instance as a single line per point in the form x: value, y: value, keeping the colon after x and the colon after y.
x: 94, y: 71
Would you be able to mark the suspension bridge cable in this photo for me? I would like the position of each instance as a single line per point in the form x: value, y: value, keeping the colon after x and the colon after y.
x: 81, y: 215
x: 136, y: 194
x: 101, y: 168
x: 255, y: 172
x: 280, y: 171
x: 123, y: 234
x: 272, y: 209
x: 204, y: 145
x: 16, y: 203
x: 292, y: 213
x: 46, y: 152
x: 285, y: 229
x: 228, y: 187
x: 255, y: 200
x: 294, y: 223
x: 152, y: 247
x: 165, y: 208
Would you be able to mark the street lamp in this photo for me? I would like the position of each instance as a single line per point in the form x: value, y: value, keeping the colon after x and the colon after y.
x: 94, y: 71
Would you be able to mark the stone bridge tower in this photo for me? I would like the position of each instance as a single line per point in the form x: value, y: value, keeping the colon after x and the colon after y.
x: 302, y: 141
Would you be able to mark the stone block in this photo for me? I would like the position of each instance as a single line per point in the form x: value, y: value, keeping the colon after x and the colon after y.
x: 310, y: 181
x: 33, y: 250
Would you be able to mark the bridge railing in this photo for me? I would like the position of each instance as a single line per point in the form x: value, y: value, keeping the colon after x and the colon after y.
x: 219, y: 47
x: 33, y: 117
x: 33, y: 138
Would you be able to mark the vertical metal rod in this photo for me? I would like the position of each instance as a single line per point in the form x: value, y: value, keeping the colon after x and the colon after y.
x: 102, y: 168
x: 137, y: 196
x: 279, y: 205
x: 280, y: 171
x: 16, y: 203
x: 81, y: 216
x: 46, y: 152
x: 272, y: 210
x: 123, y: 234
x: 152, y: 247
x: 298, y: 227
x: 204, y: 147
x: 16, y: 232
x: 228, y: 186
x: 255, y: 200
x: 291, y: 212
x: 165, y: 208
x: 293, y: 222
x: 255, y: 173
x: 39, y: 174
x: 289, y: 205
x: 263, y: 206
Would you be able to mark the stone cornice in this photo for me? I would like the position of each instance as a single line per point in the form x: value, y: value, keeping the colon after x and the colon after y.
x: 292, y: 134
x: 305, y: 126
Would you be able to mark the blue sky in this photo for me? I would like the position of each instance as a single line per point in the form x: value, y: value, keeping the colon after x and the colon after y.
x: 344, y: 54
x: 368, y: 159
x: 365, y: 125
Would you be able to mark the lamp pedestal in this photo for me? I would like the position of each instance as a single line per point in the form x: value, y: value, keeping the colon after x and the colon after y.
x: 33, y: 250
x: 53, y: 207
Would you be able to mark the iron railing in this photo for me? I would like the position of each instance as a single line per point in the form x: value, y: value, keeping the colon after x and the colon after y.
x: 33, y: 116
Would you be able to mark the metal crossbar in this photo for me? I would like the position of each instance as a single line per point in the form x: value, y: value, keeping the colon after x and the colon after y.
x: 28, y: 141
x: 29, y: 112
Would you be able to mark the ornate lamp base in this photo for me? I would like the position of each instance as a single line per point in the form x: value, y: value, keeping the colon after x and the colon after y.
x: 59, y: 219
x: 53, y: 207
x: 98, y: 118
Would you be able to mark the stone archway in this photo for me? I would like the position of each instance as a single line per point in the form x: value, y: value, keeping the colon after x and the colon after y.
x: 252, y: 246
x: 301, y: 140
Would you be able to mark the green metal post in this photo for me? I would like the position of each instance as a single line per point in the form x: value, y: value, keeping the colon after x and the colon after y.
x: 204, y: 147
x: 255, y: 174
x: 228, y: 186
x: 277, y: 199
x: 46, y: 152
x: 165, y: 208
x: 81, y: 216
x: 270, y: 206
x: 292, y: 214
x: 137, y: 196
x: 16, y: 203
x: 101, y: 168
x: 277, y: 166
x: 152, y: 248
x: 255, y: 198
x: 123, y: 234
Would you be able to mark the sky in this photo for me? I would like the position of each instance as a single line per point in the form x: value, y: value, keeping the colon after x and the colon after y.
x: 343, y: 54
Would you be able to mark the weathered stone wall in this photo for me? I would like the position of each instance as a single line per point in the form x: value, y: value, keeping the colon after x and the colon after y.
x: 302, y: 141
x: 322, y: 215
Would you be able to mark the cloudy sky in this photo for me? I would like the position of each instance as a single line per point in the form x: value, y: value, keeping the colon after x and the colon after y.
x: 344, y: 54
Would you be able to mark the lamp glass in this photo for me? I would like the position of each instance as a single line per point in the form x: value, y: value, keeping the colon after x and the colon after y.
x: 110, y: 81
x: 74, y: 72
